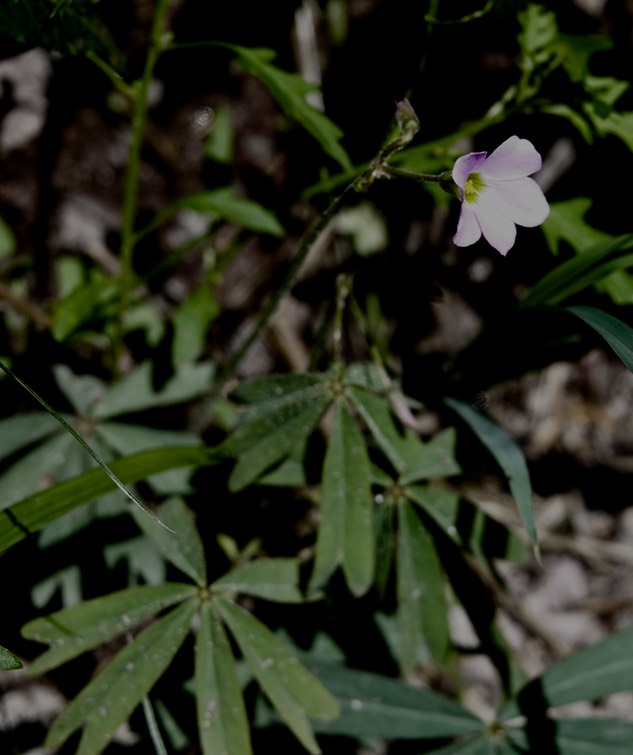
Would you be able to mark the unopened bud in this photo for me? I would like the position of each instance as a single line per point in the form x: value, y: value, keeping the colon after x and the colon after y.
x: 406, y: 119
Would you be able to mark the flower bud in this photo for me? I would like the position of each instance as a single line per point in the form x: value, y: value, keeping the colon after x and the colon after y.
x: 407, y: 120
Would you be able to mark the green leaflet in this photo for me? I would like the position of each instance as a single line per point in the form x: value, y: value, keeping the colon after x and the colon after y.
x: 290, y: 91
x: 346, y: 534
x: 8, y: 661
x: 422, y: 606
x: 593, y: 672
x: 274, y: 579
x: 509, y: 457
x: 222, y: 721
x: 110, y: 698
x: 178, y: 540
x: 292, y: 689
x: 373, y: 705
x: 617, y: 334
x: 583, y: 736
x: 36, y: 511
x: 76, y: 630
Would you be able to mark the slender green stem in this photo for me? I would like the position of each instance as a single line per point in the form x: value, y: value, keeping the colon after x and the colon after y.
x: 271, y: 307
x: 152, y: 725
x: 130, y: 189
x: 343, y: 290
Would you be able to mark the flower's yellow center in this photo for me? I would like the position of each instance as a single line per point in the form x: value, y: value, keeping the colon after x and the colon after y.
x: 473, y: 187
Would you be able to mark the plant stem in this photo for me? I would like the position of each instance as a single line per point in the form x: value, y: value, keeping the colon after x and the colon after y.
x: 130, y: 189
x: 269, y: 310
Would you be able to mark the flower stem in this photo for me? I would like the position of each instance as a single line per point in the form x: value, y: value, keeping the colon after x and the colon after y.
x: 131, y: 185
x: 271, y: 307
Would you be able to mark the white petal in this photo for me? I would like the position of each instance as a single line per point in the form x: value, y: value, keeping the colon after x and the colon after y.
x: 515, y: 158
x: 465, y: 165
x: 468, y: 230
x: 522, y: 201
x: 497, y: 228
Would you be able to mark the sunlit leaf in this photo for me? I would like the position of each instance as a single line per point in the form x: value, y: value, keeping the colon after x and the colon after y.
x: 272, y: 578
x: 113, y: 694
x: 291, y: 688
x: 222, y: 721
x: 346, y: 534
x: 75, y: 630
x: 508, y: 455
x: 178, y: 540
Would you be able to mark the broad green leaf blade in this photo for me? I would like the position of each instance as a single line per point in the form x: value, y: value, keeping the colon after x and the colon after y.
x: 272, y: 579
x: 291, y: 688
x: 38, y: 510
x: 8, y: 661
x: 586, y: 269
x: 433, y: 459
x: 617, y: 334
x: 82, y: 304
x: 509, y: 457
x: 113, y: 694
x: 178, y: 540
x: 73, y: 631
x: 291, y: 428
x: 593, y: 672
x: 222, y: 721
x: 346, y: 533
x: 422, y: 607
x: 377, y: 706
x: 135, y: 392
x: 191, y: 322
x: 228, y: 205
x: 290, y: 91
x: 479, y: 745
x: 219, y: 144
x: 584, y: 736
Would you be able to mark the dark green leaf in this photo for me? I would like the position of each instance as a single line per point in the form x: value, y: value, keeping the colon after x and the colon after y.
x: 617, y: 334
x: 178, y: 540
x: 219, y: 144
x: 373, y: 705
x: 38, y: 510
x: 479, y: 745
x: 8, y: 661
x: 584, y: 736
x: 273, y: 579
x: 440, y: 504
x: 222, y: 721
x: 508, y: 455
x: 292, y: 689
x: 73, y: 631
x: 290, y: 91
x: 275, y: 387
x: 422, y: 607
x: 346, y: 533
x: 23, y: 429
x: 593, y: 672
x: 113, y: 694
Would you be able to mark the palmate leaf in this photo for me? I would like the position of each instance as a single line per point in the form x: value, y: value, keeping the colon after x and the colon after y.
x: 377, y: 706
x: 509, y: 457
x: 290, y: 91
x: 591, y: 673
x: 75, y: 630
x: 178, y: 540
x: 292, y: 689
x: 8, y: 661
x: 346, y: 534
x: 275, y: 579
x: 422, y: 607
x: 35, y: 512
x: 111, y: 697
x: 222, y: 721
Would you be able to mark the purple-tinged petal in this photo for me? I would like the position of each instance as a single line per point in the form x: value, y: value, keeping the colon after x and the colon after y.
x: 466, y: 165
x: 515, y: 158
x: 521, y: 200
x: 497, y: 228
x: 468, y: 230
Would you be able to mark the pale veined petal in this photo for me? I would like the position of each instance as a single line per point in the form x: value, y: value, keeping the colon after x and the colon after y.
x: 515, y: 158
x: 521, y: 200
x: 466, y: 165
x: 468, y: 230
x: 498, y: 229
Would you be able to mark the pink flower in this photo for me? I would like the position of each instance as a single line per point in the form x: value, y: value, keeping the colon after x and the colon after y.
x: 497, y: 194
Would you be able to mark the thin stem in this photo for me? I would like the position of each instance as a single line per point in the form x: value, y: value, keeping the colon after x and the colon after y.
x: 271, y: 307
x: 130, y: 189
x: 152, y: 725
x: 343, y: 290
x: 420, y: 177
